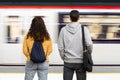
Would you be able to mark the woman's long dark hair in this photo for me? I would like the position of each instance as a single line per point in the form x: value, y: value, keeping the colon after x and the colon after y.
x: 38, y: 30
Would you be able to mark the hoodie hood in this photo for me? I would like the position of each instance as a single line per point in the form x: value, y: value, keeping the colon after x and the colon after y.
x: 73, y: 27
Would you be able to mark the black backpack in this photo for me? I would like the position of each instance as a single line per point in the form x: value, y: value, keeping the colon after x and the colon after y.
x: 37, y: 53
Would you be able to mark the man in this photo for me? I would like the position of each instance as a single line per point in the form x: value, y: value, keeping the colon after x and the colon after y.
x: 71, y: 49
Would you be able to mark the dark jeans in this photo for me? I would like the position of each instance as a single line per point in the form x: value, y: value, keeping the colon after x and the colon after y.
x: 69, y: 69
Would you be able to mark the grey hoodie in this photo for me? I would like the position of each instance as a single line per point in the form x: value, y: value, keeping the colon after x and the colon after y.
x: 70, y: 43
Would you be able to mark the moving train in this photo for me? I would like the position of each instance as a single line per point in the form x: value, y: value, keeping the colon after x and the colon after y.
x: 102, y: 22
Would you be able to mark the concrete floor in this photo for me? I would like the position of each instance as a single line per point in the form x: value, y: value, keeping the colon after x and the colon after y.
x: 59, y: 76
x: 59, y: 69
x: 56, y: 73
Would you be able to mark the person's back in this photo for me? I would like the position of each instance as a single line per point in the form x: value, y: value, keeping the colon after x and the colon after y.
x: 71, y: 49
x: 37, y: 32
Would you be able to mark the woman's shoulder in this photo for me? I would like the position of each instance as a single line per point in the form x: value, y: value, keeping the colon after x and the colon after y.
x: 27, y: 38
x: 48, y: 40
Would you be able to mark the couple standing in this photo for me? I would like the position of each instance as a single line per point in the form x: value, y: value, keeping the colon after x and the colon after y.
x: 69, y: 46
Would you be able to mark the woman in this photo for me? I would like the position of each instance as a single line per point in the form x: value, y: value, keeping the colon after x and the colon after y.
x: 37, y: 32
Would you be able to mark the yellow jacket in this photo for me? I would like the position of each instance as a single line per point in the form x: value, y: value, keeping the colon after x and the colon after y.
x: 28, y: 43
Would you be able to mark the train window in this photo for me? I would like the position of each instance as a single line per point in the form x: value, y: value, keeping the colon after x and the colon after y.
x: 103, y: 27
x: 14, y: 30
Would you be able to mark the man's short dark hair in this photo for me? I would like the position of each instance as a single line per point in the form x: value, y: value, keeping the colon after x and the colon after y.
x: 74, y: 15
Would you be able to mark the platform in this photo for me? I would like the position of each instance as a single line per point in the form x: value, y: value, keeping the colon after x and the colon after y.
x: 58, y: 76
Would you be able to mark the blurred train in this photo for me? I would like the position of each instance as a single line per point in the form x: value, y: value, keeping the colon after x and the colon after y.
x: 103, y: 24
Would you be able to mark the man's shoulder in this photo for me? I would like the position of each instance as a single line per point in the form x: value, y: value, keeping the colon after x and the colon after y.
x: 63, y: 28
